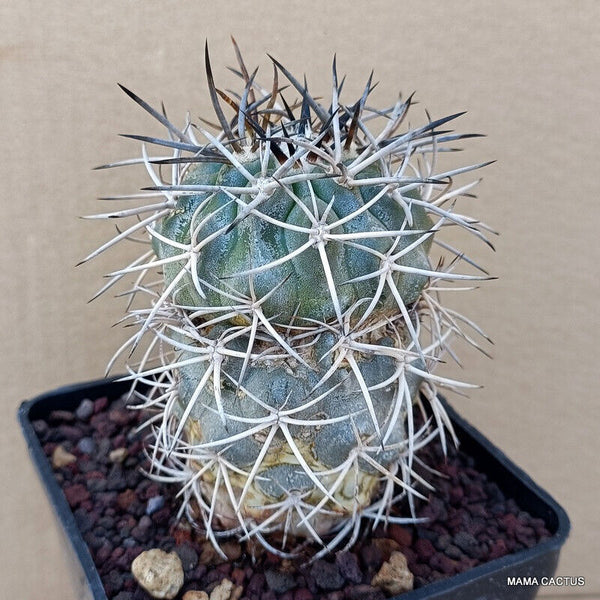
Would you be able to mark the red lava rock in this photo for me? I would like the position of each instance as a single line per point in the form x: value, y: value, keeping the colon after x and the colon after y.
x: 401, y: 534
x: 162, y: 516
x: 511, y: 545
x: 327, y: 576
x: 526, y: 536
x: 456, y: 494
x: 208, y: 554
x: 450, y: 470
x: 57, y: 416
x: 364, y: 592
x: 475, y: 493
x: 458, y: 520
x: 121, y: 416
x: 49, y: 448
x: 117, y: 553
x: 497, y: 549
x: 347, y: 563
x: 103, y: 553
x: 256, y: 584
x: 181, y: 536
x: 129, y: 585
x: 539, y: 526
x: 125, y: 525
x: 420, y: 569
x: 143, y: 530
x: 492, y: 532
x: 440, y: 562
x: 443, y: 541
x: 271, y: 559
x: 509, y: 523
x: 153, y: 489
x: 120, y: 440
x: 238, y: 576
x: 187, y: 555
x: 411, y: 555
x: 280, y: 582
x: 126, y: 499
x: 303, y: 594
x: 424, y: 549
x: 134, y: 447
x: 76, y: 494
x: 211, y: 579
x: 70, y: 432
x: 196, y: 575
x: 102, y: 425
x: 372, y: 557
x: 478, y: 510
x: 386, y: 546
x: 100, y: 404
x: 232, y: 550
x: 132, y: 553
x: 468, y: 544
x: 454, y: 552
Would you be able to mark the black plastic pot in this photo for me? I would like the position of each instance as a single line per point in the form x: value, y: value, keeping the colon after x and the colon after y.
x: 515, y: 577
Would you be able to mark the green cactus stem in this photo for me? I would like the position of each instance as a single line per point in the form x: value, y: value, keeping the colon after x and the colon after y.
x: 288, y: 307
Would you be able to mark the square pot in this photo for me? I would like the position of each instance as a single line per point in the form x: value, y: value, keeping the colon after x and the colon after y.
x: 499, y: 578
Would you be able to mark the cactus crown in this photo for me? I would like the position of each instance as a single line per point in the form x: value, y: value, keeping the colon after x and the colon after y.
x: 292, y: 335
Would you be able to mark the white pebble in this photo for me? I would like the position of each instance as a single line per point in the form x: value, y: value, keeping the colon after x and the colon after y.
x: 159, y: 573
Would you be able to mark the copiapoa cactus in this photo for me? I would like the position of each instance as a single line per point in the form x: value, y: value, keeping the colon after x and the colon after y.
x: 291, y: 316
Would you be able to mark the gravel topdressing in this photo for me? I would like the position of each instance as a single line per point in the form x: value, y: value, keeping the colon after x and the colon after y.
x: 97, y: 458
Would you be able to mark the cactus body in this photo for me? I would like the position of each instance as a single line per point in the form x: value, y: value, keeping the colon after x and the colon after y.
x: 326, y: 417
x: 293, y: 331
x: 225, y: 256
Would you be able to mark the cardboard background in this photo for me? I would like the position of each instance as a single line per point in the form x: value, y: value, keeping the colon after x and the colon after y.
x: 527, y: 73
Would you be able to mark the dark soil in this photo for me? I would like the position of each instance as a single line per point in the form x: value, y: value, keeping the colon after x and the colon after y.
x: 121, y: 513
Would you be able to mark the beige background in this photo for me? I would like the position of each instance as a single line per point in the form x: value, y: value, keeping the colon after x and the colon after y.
x: 527, y: 72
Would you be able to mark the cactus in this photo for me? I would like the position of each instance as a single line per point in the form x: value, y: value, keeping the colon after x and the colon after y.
x: 291, y: 336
